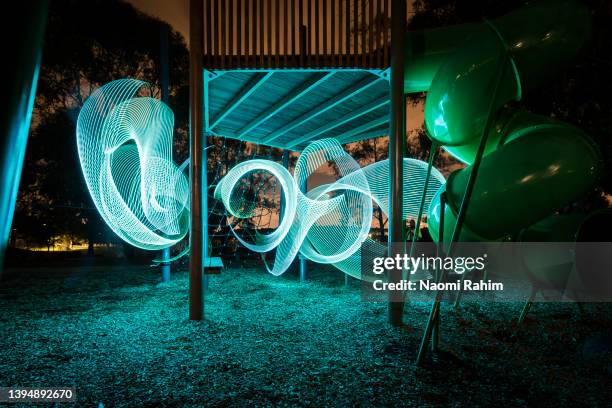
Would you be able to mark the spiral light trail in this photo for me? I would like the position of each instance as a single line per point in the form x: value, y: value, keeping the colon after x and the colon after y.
x: 125, y: 149
x: 329, y: 223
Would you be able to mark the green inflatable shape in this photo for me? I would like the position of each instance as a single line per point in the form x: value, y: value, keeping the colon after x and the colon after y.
x: 532, y: 165
x: 546, y: 33
x: 527, y: 179
x: 433, y: 222
x: 458, y: 65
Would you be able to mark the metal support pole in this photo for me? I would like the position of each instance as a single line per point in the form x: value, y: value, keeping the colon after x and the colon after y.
x: 435, y: 308
x: 397, y: 142
x: 23, y: 48
x: 527, y: 306
x: 303, y: 266
x: 432, y: 155
x: 417, y: 227
x: 435, y: 334
x: 196, y: 146
x: 166, y: 267
x: 303, y: 269
x: 165, y: 88
x: 285, y: 163
x: 487, y: 125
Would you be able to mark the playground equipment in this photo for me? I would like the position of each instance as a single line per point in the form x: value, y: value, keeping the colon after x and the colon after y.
x: 521, y: 167
x: 531, y: 165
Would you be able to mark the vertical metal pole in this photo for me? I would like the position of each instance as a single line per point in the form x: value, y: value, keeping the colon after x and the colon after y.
x: 397, y: 142
x: 23, y: 50
x: 527, y: 306
x: 435, y: 308
x: 303, y: 269
x: 435, y: 334
x: 164, y: 80
x: 166, y: 267
x: 206, y: 249
x: 417, y: 228
x: 196, y: 116
x: 282, y: 196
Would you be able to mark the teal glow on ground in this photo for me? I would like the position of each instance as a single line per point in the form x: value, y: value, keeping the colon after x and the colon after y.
x: 122, y: 339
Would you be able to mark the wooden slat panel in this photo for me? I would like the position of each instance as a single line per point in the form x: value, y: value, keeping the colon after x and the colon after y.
x: 309, y: 32
x: 286, y: 32
x: 347, y: 23
x: 379, y: 45
x: 317, y: 35
x: 209, y: 24
x: 386, y: 33
x: 293, y: 34
x: 261, y: 33
x: 363, y: 28
x: 230, y: 32
x: 239, y: 51
x: 355, y: 29
x: 215, y: 22
x: 267, y: 33
x: 324, y: 29
x: 247, y: 39
x: 333, y: 51
x: 223, y: 33
x: 371, y: 34
x: 277, y: 48
x: 300, y: 25
x: 340, y: 34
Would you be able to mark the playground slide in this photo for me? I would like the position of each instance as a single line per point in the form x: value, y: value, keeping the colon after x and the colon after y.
x: 532, y: 165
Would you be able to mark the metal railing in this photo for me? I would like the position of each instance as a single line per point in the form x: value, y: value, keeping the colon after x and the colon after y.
x: 256, y: 34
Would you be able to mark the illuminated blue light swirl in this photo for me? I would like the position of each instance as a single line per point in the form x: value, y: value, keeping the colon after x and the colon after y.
x: 329, y: 223
x: 125, y: 149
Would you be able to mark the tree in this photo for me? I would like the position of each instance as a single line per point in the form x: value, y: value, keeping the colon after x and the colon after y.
x: 87, y: 44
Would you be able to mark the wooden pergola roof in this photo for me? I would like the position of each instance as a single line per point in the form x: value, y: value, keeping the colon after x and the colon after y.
x: 289, y: 108
x: 283, y: 73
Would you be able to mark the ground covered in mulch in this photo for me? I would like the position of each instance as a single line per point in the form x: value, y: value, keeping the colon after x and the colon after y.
x: 123, y: 339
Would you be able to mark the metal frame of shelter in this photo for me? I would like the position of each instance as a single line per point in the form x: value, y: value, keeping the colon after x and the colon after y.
x: 283, y: 73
